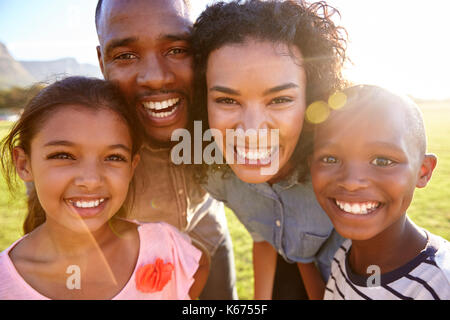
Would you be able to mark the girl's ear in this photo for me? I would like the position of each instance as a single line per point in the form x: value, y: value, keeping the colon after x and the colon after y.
x: 426, y: 170
x: 135, y: 162
x: 22, y: 164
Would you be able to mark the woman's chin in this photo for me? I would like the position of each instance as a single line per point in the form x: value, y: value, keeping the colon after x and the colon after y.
x: 250, y: 174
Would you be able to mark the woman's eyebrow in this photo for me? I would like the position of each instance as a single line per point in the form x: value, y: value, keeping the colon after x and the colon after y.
x: 280, y: 88
x: 225, y: 90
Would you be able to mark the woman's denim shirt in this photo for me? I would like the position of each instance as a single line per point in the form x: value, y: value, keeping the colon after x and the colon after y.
x: 286, y: 214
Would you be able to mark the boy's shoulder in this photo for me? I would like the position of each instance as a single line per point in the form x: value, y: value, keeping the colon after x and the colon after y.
x: 440, y: 254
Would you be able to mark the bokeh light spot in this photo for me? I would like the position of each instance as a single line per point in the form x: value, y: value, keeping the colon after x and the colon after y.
x: 317, y: 112
x: 337, y: 100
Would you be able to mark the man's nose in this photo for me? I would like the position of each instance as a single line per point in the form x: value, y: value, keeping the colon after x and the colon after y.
x: 154, y: 73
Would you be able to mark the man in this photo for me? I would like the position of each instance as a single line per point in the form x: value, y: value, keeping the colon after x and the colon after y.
x: 144, y: 48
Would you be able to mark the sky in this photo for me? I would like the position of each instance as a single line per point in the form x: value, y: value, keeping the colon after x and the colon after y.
x: 403, y: 45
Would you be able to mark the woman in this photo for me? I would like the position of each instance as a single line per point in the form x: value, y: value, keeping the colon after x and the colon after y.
x: 259, y: 64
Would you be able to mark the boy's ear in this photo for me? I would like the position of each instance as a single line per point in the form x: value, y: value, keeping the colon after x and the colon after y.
x: 22, y: 164
x: 426, y: 170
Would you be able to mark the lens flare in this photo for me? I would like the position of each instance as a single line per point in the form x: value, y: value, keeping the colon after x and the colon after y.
x: 317, y: 112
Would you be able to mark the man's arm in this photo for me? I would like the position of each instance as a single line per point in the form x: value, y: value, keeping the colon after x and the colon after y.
x: 264, y: 265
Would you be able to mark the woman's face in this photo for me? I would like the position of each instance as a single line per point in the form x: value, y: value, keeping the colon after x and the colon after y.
x: 256, y: 87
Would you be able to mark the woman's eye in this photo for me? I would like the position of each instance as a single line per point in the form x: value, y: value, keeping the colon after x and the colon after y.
x: 280, y: 100
x: 116, y: 157
x: 61, y: 156
x: 382, y: 162
x: 226, y: 101
x: 329, y: 160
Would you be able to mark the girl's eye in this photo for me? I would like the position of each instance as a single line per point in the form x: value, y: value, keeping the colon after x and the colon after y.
x: 226, y: 101
x: 61, y: 156
x: 116, y: 157
x: 329, y: 160
x: 382, y: 162
x: 280, y: 100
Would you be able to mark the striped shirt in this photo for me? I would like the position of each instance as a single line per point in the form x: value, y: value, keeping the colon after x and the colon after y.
x: 426, y: 277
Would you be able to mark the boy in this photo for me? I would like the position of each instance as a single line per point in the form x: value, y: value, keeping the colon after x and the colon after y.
x: 368, y: 158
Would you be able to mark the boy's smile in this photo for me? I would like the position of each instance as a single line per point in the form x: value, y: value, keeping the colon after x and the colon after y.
x: 365, y: 167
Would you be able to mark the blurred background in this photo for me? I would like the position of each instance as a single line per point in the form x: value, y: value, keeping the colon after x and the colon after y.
x: 402, y: 45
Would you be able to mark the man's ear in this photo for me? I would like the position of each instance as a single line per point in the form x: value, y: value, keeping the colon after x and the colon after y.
x: 100, y: 61
x: 23, y: 164
x: 428, y: 164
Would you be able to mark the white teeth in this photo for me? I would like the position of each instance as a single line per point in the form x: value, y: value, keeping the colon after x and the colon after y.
x: 87, y: 204
x: 358, y: 207
x: 255, y: 154
x: 160, y: 105
x: 162, y: 114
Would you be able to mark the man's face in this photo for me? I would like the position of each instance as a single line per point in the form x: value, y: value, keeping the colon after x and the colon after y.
x: 144, y: 48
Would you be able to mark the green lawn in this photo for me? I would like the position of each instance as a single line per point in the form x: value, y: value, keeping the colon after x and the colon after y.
x: 430, y: 208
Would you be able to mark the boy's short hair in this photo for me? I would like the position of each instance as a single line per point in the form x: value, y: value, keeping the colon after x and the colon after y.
x: 360, y: 96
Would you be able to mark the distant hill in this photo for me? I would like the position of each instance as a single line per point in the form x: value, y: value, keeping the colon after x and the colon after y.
x: 24, y: 73
x: 12, y: 72
x: 50, y: 70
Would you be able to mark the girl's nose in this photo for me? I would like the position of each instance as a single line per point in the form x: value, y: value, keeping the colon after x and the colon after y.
x: 90, y: 176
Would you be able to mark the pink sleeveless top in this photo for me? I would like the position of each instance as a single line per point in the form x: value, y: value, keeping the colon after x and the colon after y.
x: 157, y: 241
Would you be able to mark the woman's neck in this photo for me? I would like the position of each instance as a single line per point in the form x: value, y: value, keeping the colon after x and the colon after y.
x: 388, y: 250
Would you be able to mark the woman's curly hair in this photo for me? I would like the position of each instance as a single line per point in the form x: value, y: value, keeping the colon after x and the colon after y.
x: 309, y: 27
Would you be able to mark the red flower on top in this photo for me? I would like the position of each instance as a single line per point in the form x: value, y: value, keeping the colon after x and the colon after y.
x: 153, y: 277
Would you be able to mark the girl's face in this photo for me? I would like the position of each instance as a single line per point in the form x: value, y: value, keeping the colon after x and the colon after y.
x: 256, y: 86
x: 81, y: 165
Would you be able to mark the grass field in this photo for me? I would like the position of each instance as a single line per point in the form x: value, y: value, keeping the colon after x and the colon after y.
x: 430, y: 208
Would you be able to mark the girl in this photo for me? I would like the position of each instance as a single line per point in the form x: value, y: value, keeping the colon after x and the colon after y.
x: 77, y: 142
x: 258, y: 65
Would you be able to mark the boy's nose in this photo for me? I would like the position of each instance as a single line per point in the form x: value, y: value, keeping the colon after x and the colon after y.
x: 154, y: 72
x: 353, y: 178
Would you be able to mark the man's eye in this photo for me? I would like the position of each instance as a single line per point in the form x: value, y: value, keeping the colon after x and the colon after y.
x: 329, y: 160
x: 176, y: 51
x: 382, y: 162
x: 61, y: 156
x: 125, y: 56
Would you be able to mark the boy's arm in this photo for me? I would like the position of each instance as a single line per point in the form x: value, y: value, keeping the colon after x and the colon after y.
x: 312, y: 279
x: 264, y: 265
x: 201, y: 276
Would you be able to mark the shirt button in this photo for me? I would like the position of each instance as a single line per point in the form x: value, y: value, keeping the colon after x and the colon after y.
x: 180, y: 192
x: 278, y: 223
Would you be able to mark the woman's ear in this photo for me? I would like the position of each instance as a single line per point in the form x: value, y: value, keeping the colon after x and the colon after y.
x: 22, y: 164
x: 426, y: 169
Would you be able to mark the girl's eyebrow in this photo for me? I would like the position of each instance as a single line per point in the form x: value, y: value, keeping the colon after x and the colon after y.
x: 225, y: 90
x: 71, y: 144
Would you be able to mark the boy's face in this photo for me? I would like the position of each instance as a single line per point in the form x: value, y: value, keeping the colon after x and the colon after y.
x: 365, y: 167
x: 144, y: 48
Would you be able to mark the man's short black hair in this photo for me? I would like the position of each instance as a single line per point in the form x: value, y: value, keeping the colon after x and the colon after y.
x: 98, y: 9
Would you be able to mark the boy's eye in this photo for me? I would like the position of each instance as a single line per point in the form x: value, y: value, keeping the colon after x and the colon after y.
x: 382, y: 162
x: 116, y: 157
x: 61, y: 156
x: 329, y: 159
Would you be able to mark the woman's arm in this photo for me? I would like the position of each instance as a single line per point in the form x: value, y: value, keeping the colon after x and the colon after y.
x: 312, y: 279
x: 264, y: 265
